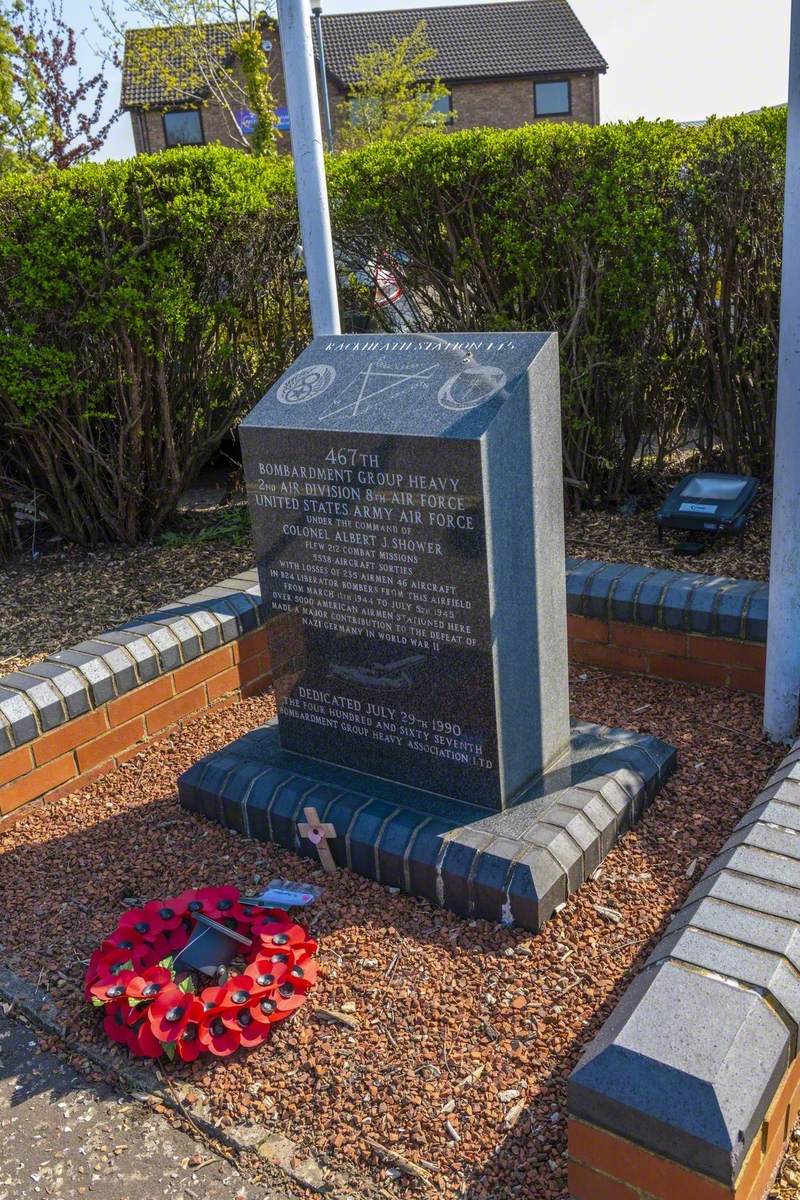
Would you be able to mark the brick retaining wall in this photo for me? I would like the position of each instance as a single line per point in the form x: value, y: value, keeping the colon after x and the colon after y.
x: 690, y: 658
x: 84, y: 710
x: 699, y: 629
x: 69, y: 719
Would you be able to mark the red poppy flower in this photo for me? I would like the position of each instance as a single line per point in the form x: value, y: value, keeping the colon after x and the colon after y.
x: 247, y: 914
x: 110, y: 963
x: 93, y: 972
x: 239, y: 991
x: 219, y: 902
x: 273, y: 914
x: 111, y: 987
x: 188, y: 1044
x: 142, y: 1042
x: 147, y: 984
x: 94, y: 962
x: 153, y: 921
x: 175, y: 939
x: 288, y: 997
x: 242, y: 991
x: 136, y: 920
x: 264, y: 1010
x: 216, y: 1036
x: 180, y: 904
x: 189, y: 902
x: 139, y: 954
x: 240, y: 918
x: 303, y: 972
x: 115, y: 1022
x: 162, y: 915
x: 168, y: 944
x: 213, y: 999
x: 124, y: 939
x: 171, y: 1012
x: 251, y: 1032
x: 159, y: 950
x: 277, y: 927
x: 266, y: 974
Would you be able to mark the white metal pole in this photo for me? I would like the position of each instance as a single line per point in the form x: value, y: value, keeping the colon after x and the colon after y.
x: 782, y: 693
x: 294, y: 29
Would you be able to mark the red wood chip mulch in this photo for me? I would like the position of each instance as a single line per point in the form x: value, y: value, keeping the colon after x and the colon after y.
x: 464, y: 1033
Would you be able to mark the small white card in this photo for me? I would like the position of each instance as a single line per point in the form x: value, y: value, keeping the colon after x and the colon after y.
x: 282, y: 893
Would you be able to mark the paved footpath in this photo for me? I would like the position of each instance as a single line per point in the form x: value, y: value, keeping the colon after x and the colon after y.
x: 63, y: 1136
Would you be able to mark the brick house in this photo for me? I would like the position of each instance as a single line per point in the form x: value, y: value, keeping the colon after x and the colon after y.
x: 505, y: 64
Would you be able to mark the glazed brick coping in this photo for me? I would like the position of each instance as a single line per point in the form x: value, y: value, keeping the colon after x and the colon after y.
x: 63, y: 717
x: 73, y: 682
x: 675, y: 601
x: 692, y: 1086
x: 700, y: 629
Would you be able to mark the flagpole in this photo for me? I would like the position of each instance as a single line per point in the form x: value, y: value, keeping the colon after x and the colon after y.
x: 294, y: 30
x: 782, y: 690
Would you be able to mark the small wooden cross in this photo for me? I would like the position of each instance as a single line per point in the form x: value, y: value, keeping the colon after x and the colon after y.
x: 318, y: 833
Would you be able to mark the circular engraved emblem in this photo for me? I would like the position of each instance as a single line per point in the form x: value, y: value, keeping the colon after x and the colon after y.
x: 306, y: 384
x: 471, y: 387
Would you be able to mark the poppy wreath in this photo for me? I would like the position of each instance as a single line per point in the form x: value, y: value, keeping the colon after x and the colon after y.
x: 153, y: 1009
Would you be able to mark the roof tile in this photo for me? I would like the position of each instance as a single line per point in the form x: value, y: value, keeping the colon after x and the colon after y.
x: 473, y: 41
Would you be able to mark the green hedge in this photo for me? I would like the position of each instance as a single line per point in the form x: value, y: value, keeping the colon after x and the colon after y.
x: 653, y: 249
x: 145, y: 305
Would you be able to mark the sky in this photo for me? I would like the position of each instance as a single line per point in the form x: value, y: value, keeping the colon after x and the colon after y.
x: 682, y: 59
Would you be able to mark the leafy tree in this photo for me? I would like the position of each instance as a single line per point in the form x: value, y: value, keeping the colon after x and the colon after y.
x: 202, y: 51
x: 394, y: 95
x: 653, y: 250
x: 59, y: 112
x: 23, y: 126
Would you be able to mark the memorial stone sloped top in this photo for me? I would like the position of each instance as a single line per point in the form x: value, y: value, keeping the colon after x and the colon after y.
x: 406, y: 499
x: 447, y: 385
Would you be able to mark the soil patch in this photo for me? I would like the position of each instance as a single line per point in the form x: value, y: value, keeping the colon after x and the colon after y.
x: 631, y: 536
x: 68, y: 594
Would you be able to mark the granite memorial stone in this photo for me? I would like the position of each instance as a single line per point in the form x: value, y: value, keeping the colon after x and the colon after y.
x: 406, y: 500
x: 406, y: 497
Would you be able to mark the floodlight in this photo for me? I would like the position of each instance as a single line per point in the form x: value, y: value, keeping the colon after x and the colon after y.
x: 709, y: 503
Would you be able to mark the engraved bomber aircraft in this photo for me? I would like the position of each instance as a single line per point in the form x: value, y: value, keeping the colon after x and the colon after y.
x: 394, y: 675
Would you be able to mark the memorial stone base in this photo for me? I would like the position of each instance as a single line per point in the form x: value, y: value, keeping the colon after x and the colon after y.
x: 515, y: 866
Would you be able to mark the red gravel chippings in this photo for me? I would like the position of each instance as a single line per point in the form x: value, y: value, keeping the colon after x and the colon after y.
x: 465, y: 1032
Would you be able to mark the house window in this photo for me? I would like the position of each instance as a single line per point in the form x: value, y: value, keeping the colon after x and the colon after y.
x: 443, y: 104
x: 552, y: 99
x: 365, y: 111
x: 183, y: 128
